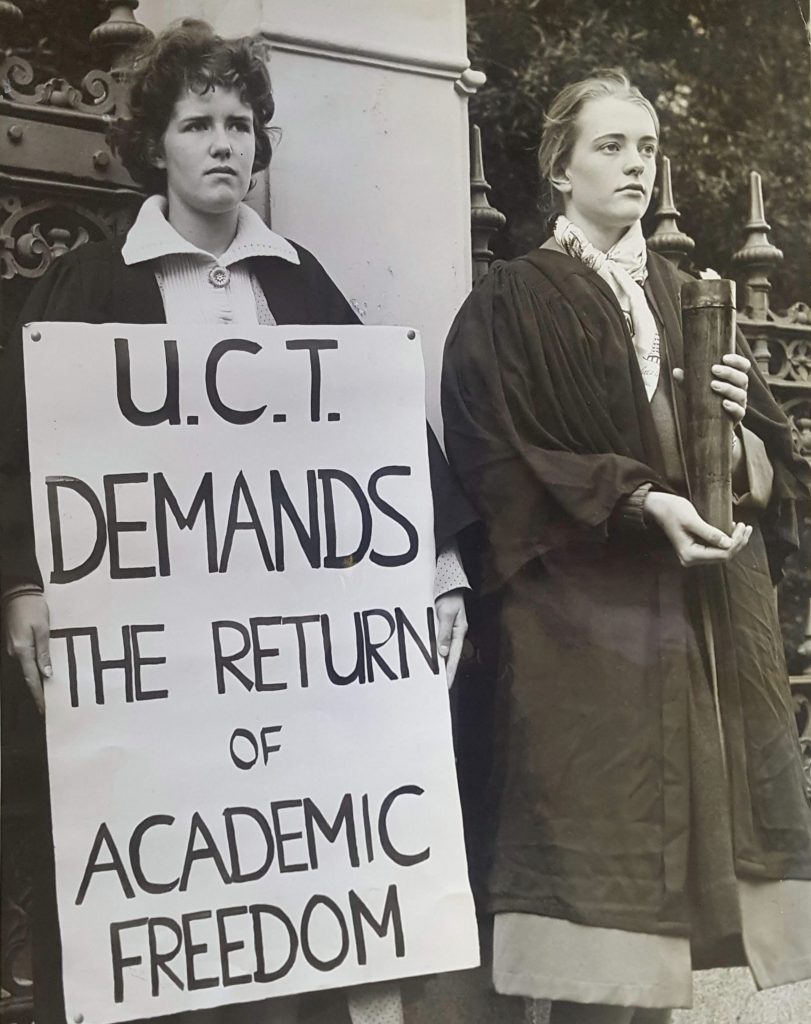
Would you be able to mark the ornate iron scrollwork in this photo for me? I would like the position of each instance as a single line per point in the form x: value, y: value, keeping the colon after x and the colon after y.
x: 790, y: 359
x: 798, y: 411
x: 33, y: 236
x: 798, y: 355
x: 17, y: 76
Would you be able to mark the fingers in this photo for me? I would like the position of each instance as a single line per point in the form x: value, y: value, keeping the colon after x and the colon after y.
x: 457, y: 642
x: 730, y: 383
x: 740, y: 538
x: 730, y: 376
x: 737, y: 362
x: 27, y: 634
x: 452, y: 619
x: 443, y: 637
x: 42, y: 652
x: 458, y: 635
x: 734, y: 369
x: 694, y: 540
x: 30, y: 671
x: 709, y: 536
x: 730, y: 391
x: 734, y: 405
x: 698, y: 554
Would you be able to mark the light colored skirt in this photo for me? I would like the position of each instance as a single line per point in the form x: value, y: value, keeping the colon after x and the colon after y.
x: 546, y: 958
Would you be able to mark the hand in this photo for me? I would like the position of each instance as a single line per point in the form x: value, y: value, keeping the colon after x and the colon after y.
x: 730, y: 382
x: 450, y: 611
x: 694, y: 540
x: 27, y: 634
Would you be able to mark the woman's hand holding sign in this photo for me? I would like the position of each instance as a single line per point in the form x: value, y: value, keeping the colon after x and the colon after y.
x: 27, y: 631
x: 450, y: 612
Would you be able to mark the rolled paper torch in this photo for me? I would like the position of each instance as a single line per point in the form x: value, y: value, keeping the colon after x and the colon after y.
x: 708, y: 321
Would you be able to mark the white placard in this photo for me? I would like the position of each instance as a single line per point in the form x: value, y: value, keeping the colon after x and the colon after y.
x: 249, y: 742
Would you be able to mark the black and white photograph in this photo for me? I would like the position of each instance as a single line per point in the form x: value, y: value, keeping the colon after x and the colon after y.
x: 405, y: 511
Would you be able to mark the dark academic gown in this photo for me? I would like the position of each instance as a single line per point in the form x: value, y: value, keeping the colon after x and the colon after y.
x: 602, y: 666
x: 94, y: 285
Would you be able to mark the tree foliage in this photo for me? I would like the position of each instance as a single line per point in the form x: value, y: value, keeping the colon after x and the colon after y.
x: 731, y: 82
x: 729, y: 79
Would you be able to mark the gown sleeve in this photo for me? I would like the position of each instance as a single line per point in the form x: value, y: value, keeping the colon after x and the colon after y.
x: 525, y: 398
x: 791, y: 481
x: 59, y: 295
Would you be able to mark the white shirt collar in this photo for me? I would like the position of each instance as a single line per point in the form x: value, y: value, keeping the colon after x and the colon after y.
x: 152, y: 236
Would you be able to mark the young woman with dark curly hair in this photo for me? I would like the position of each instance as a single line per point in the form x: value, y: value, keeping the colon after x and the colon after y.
x: 197, y: 133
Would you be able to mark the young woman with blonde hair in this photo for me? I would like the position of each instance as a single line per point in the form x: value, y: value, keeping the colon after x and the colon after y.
x: 642, y: 828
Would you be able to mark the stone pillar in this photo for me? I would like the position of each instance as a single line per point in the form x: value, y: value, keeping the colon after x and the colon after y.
x: 372, y: 169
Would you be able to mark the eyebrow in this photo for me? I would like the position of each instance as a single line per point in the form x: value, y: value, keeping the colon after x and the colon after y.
x: 191, y: 118
x: 620, y: 137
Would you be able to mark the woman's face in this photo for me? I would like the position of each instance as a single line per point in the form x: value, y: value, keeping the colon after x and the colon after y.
x: 208, y: 151
x: 608, y: 181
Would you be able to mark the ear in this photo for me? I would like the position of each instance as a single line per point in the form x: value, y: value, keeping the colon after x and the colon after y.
x: 156, y: 157
x: 561, y: 182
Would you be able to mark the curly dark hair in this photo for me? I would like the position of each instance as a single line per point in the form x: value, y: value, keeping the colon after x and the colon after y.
x: 190, y: 55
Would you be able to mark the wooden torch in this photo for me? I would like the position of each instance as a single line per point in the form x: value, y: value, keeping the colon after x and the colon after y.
x: 708, y: 320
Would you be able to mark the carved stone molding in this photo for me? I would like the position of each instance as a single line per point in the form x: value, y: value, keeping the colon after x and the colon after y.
x: 469, y: 82
x: 433, y: 65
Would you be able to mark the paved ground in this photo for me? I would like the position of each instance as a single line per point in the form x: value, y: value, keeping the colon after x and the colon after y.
x: 729, y: 997
x: 721, y: 997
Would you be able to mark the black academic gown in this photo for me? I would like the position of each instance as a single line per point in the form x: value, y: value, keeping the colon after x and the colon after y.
x: 602, y: 666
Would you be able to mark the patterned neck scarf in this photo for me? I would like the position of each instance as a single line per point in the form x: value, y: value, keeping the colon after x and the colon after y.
x: 624, y: 269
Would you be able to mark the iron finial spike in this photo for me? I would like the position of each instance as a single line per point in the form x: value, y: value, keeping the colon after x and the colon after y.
x: 11, y: 17
x: 668, y: 239
x: 757, y: 211
x: 484, y: 219
x: 667, y: 206
x: 757, y: 257
x: 476, y: 156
